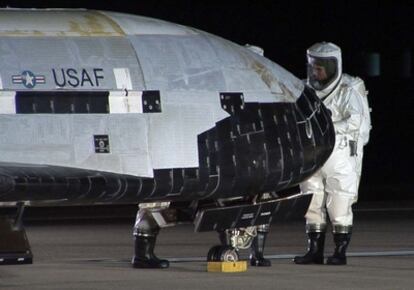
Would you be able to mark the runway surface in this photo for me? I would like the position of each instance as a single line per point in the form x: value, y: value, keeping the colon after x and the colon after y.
x: 95, y: 255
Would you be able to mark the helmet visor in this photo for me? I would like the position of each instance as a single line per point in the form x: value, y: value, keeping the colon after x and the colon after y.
x: 322, y: 71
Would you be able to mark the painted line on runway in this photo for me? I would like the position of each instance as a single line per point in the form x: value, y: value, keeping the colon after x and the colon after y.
x: 291, y: 256
x: 355, y: 254
x: 275, y: 257
x: 381, y: 254
x: 384, y: 209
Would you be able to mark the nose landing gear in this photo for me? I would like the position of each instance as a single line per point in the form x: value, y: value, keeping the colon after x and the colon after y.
x: 222, y: 253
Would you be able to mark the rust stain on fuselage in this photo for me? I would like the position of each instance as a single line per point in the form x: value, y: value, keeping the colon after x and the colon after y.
x: 269, y: 78
x: 266, y: 76
x: 95, y: 25
x: 91, y: 23
x: 271, y: 81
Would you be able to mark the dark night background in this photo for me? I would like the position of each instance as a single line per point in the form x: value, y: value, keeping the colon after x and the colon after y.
x: 285, y: 29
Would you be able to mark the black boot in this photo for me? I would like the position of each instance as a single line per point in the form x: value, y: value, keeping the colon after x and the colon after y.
x: 257, y: 248
x: 316, y: 243
x: 144, y: 254
x: 341, y: 244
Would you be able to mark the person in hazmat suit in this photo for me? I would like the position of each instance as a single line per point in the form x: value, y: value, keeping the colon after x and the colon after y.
x: 335, y: 185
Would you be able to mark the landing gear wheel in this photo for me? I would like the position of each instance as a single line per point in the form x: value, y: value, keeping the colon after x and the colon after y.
x: 228, y: 254
x: 213, y: 253
x: 223, y: 254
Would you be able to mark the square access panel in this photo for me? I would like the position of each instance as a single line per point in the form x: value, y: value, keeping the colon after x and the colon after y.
x: 151, y: 102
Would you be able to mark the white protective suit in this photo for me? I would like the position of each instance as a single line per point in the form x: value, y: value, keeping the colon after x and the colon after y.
x: 335, y: 185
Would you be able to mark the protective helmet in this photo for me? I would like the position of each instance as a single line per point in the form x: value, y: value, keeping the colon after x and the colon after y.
x: 324, y: 67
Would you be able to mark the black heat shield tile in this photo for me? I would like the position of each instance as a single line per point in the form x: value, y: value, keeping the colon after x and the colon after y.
x: 178, y: 181
x: 163, y: 183
x: 245, y: 215
x: 191, y: 184
x: 257, y: 148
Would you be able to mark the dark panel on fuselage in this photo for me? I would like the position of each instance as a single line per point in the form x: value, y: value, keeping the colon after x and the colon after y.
x: 39, y: 102
x: 151, y: 102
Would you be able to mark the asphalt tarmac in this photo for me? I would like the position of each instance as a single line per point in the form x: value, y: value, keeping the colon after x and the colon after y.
x: 95, y: 254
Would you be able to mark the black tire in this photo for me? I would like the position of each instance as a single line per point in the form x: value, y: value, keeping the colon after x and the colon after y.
x: 213, y: 254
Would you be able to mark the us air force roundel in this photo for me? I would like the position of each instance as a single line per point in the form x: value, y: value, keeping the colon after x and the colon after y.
x: 28, y: 79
